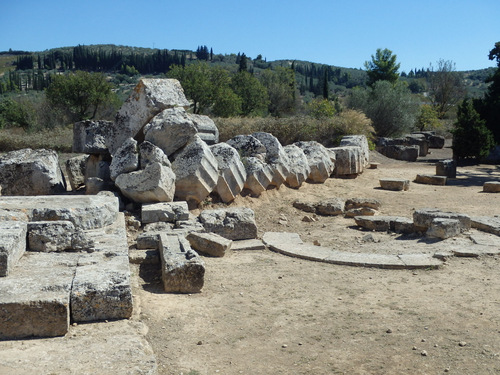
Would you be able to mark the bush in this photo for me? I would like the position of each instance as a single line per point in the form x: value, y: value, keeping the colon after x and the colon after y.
x: 391, y: 108
x: 428, y: 118
x: 471, y: 137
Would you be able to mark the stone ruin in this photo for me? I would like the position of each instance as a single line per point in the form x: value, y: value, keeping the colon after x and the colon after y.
x: 64, y: 255
x: 409, y: 147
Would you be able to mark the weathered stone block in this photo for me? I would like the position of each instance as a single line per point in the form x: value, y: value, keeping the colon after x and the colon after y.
x: 12, y: 244
x: 149, y: 153
x: 358, y: 141
x: 321, y: 162
x: 232, y: 223
x: 259, y: 175
x: 98, y: 166
x: 183, y: 271
x: 49, y: 236
x: 423, y: 218
x: 148, y: 240
x: 491, y: 187
x: 444, y: 228
x: 276, y: 157
x: 395, y: 184
x: 89, y: 136
x: 361, y: 211
x: 298, y: 166
x: 209, y: 243
x: 429, y: 179
x: 378, y: 223
x: 352, y: 203
x: 330, y: 207
x: 206, y: 128
x: 446, y: 168
x: 31, y: 172
x: 248, y: 146
x: 232, y: 174
x: 75, y: 168
x: 125, y: 159
x: 349, y: 161
x: 170, y: 212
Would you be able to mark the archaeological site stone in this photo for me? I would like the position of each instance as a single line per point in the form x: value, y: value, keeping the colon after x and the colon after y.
x: 209, y: 243
x: 232, y: 174
x: 422, y: 218
x: 125, y: 159
x: 380, y: 223
x: 349, y: 161
x: 89, y: 136
x: 31, y: 172
x: 330, y: 207
x: 164, y: 211
x: 149, y: 153
x: 48, y: 236
x: 170, y: 130
x: 352, y: 203
x: 12, y: 244
x: 276, y: 157
x: 206, y: 128
x: 358, y: 141
x: 486, y: 224
x: 320, y: 160
x: 443, y: 228
x: 395, y: 184
x: 247, y: 146
x: 232, y: 223
x: 98, y: 166
x: 298, y: 166
x: 75, y: 169
x: 149, y: 97
x: 259, y: 175
x: 155, y: 183
x: 446, y: 168
x: 196, y: 171
x: 183, y: 271
x: 491, y: 187
x: 430, y: 179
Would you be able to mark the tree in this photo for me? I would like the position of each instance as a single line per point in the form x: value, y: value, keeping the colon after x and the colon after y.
x: 280, y: 85
x: 391, y: 107
x: 471, y: 137
x: 243, y: 63
x: 383, y: 67
x: 254, y: 97
x: 427, y: 118
x: 80, y: 93
x: 445, y: 86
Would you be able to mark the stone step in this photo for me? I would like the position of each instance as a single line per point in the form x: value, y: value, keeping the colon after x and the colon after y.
x: 84, y: 211
x: 429, y: 179
x: 394, y: 184
x: 12, y: 244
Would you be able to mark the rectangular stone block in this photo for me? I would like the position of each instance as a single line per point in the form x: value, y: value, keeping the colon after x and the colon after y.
x: 423, y: 218
x: 395, y: 184
x: 34, y: 299
x: 430, y: 179
x: 183, y: 271
x: 209, y: 243
x: 164, y: 211
x: 12, y: 244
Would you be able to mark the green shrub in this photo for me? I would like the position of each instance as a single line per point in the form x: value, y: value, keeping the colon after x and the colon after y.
x: 428, y: 118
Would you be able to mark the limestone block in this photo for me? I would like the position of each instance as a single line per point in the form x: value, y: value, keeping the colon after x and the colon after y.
x: 319, y: 160
x: 486, y: 224
x: 232, y: 173
x: 206, y: 128
x: 358, y: 141
x: 403, y: 225
x: 31, y: 172
x: 49, y: 236
x: 149, y: 153
x: 98, y: 166
x: 352, y: 203
x: 330, y: 207
x: 423, y: 218
x: 379, y: 223
x: 429, y: 179
x: 164, y: 211
x: 12, y: 244
x: 196, y: 171
x: 125, y: 159
x: 348, y: 161
x: 233, y: 223
x: 446, y: 168
x: 436, y: 141
x: 85, y: 212
x: 89, y: 136
x: 101, y: 288
x: 148, y: 240
x: 183, y: 271
x: 276, y: 157
x: 96, y: 185
x: 259, y: 175
x: 209, y: 243
x: 298, y: 166
x: 395, y: 184
x: 401, y: 152
x: 443, y: 228
x: 305, y: 205
x: 418, y: 140
x: 361, y: 211
x: 248, y: 146
x: 13, y: 215
x: 155, y: 183
x: 149, y: 97
x: 35, y: 297
x: 491, y: 187
x: 75, y: 169
x: 170, y: 130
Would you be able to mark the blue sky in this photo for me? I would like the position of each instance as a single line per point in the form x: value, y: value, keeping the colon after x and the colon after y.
x: 340, y: 33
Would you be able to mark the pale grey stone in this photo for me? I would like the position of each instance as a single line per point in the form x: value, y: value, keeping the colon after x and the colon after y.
x: 31, y: 172
x: 96, y: 185
x: 253, y: 244
x: 148, y: 240
x: 358, y: 141
x: 98, y: 166
x: 446, y: 168
x: 362, y: 202
x: 349, y: 161
x: 248, y: 146
x: 395, y: 184
x: 321, y: 162
x: 164, y: 211
x: 89, y: 136
x: 232, y: 223
x: 443, y: 228
x: 196, y: 172
x: 259, y: 175
x: 125, y: 159
x: 50, y: 236
x: 298, y: 166
x: 429, y: 179
x: 170, y: 130
x: 423, y: 218
x: 183, y: 271
x: 149, y: 97
x: 361, y: 211
x: 206, y: 128
x: 491, y: 187
x: 305, y: 205
x: 486, y: 224
x: 149, y: 153
x: 276, y: 157
x: 379, y: 223
x: 232, y: 173
x: 209, y: 243
x: 75, y: 169
x: 155, y: 183
x: 12, y: 244
x: 330, y: 207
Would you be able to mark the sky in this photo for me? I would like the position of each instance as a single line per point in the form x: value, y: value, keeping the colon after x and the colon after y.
x: 340, y: 33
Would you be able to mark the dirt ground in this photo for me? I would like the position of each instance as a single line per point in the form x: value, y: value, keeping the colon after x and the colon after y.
x: 265, y: 313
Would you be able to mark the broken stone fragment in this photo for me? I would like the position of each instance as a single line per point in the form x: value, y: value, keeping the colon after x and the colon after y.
x: 31, y: 172
x: 149, y: 153
x: 125, y: 159
x: 394, y: 184
x: 75, y: 169
x: 349, y: 161
x: 259, y: 175
x: 183, y: 271
x: 149, y: 97
x: 12, y: 244
x: 209, y: 243
x: 276, y: 157
x: 164, y: 211
x: 232, y: 223
x: 232, y: 174
x: 321, y: 162
x: 89, y: 136
x: 155, y: 183
x: 248, y: 146
x: 443, y: 228
x: 50, y: 236
x: 170, y: 130
x: 196, y: 172
x: 352, y: 203
x: 298, y: 166
x: 358, y: 141
x: 330, y: 207
x: 206, y: 128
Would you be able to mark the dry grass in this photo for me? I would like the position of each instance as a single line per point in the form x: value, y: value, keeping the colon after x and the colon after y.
x: 59, y: 139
